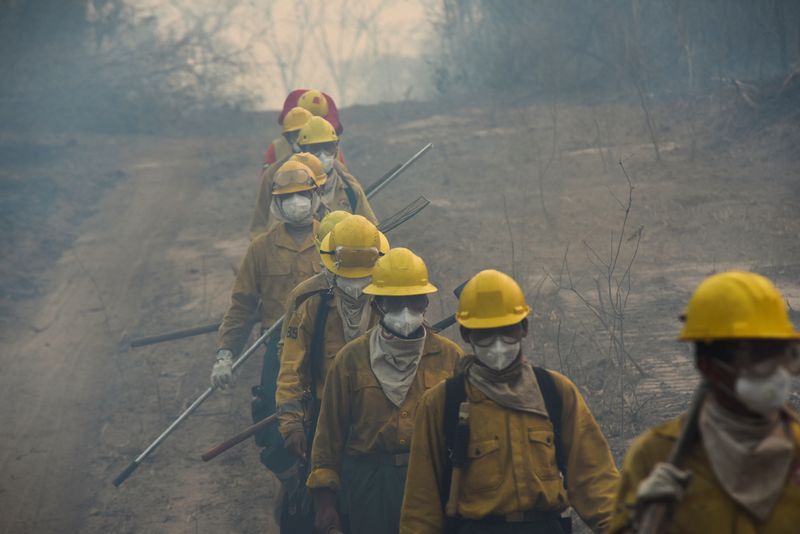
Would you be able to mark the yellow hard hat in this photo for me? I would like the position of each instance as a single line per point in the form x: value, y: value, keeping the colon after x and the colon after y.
x: 352, y: 247
x: 312, y: 162
x: 293, y: 177
x: 736, y: 305
x: 400, y: 273
x: 327, y: 223
x: 315, y: 102
x: 491, y: 299
x: 295, y: 119
x: 317, y: 130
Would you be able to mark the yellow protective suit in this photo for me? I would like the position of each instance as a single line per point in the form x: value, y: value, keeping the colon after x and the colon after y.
x: 705, y: 507
x: 512, y: 466
x: 358, y: 419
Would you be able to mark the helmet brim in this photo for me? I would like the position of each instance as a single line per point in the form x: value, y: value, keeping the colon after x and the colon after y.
x: 404, y: 291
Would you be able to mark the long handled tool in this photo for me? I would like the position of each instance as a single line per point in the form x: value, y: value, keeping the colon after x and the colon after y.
x: 386, y: 226
x: 655, y: 516
x: 386, y: 179
x: 248, y: 432
x: 128, y: 471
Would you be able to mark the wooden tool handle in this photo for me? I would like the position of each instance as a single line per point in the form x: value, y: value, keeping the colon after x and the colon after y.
x: 240, y: 437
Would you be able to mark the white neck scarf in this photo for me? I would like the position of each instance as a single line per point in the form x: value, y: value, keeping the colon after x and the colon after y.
x: 394, y: 362
x: 750, y: 457
x: 355, y: 313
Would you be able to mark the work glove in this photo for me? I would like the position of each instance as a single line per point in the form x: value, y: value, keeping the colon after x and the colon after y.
x: 222, y: 372
x: 296, y: 444
x: 326, y: 520
x: 665, y: 483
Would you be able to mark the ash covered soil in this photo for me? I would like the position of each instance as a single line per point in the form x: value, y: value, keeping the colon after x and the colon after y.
x: 117, y: 236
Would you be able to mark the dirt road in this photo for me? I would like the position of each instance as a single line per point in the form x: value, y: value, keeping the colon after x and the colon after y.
x: 510, y: 190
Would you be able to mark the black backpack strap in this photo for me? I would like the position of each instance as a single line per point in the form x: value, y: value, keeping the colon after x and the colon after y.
x: 317, y: 348
x: 454, y: 394
x: 552, y: 403
x: 351, y: 197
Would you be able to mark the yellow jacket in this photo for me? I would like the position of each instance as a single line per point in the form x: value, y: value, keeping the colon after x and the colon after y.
x: 512, y: 466
x: 705, y: 507
x: 357, y: 418
x: 261, y: 217
x: 272, y: 266
x: 294, y: 377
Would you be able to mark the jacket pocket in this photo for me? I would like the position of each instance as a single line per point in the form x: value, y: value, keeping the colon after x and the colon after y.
x: 542, y: 454
x: 484, y: 471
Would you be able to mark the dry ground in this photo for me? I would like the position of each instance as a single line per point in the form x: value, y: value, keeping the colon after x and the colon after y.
x: 110, y: 235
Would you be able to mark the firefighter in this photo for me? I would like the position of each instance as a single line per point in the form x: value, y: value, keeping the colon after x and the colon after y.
x: 321, y: 325
x: 316, y: 103
x: 275, y: 262
x: 349, y: 253
x: 742, y: 472
x: 341, y: 190
x: 274, y: 455
x: 286, y: 145
x: 364, y: 431
x: 531, y: 448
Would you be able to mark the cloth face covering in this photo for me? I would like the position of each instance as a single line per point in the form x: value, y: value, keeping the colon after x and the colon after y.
x: 394, y: 362
x: 750, y: 456
x: 513, y: 387
x: 353, y: 305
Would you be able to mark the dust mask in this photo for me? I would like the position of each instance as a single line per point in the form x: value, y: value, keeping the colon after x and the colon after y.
x: 404, y: 322
x: 765, y: 395
x: 297, y: 208
x: 327, y: 159
x: 499, y: 354
x: 352, y: 287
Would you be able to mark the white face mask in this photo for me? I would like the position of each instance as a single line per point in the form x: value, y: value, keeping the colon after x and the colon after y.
x: 297, y: 208
x: 765, y: 395
x: 327, y: 158
x: 404, y: 322
x: 295, y: 147
x: 353, y: 287
x: 499, y: 354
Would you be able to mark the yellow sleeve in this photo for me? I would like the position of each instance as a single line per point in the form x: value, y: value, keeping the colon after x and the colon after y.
x: 260, y: 221
x: 332, y: 428
x: 293, y: 375
x: 592, y: 475
x: 635, y: 468
x: 242, y: 313
x: 422, y: 510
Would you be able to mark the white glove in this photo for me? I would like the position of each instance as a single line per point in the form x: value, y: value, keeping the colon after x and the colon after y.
x: 222, y: 372
x: 665, y: 482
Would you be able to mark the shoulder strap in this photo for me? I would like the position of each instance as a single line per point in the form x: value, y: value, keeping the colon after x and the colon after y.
x: 315, y: 352
x: 552, y: 403
x: 351, y: 197
x: 454, y: 394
